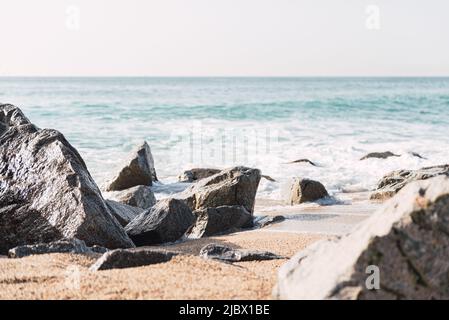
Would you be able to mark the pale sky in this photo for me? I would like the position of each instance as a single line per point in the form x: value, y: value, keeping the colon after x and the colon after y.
x: 224, y: 37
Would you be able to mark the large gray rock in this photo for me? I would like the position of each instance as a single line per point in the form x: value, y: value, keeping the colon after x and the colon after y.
x: 380, y: 155
x: 407, y: 240
x: 230, y: 187
x: 389, y: 185
x: 122, y: 212
x: 306, y: 190
x: 46, y: 191
x: 138, y: 196
x: 167, y: 221
x: 218, y: 220
x: 197, y: 174
x: 228, y: 254
x: 139, y: 170
x: 132, y: 258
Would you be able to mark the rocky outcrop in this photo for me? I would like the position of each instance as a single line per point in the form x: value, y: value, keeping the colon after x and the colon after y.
x: 231, y: 187
x: 389, y: 185
x: 380, y: 155
x: 212, y: 221
x: 139, y: 170
x: 122, y: 212
x: 305, y: 190
x: 400, y: 252
x: 197, y: 174
x: 61, y: 246
x: 228, y: 254
x: 167, y: 221
x: 46, y: 191
x: 138, y: 196
x: 131, y: 258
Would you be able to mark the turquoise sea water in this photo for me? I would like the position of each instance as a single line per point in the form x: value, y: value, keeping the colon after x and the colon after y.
x: 263, y: 122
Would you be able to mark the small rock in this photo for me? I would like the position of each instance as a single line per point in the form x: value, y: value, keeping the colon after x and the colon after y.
x: 380, y: 155
x: 303, y: 160
x: 197, y: 174
x: 268, y: 178
x: 228, y: 254
x: 305, y: 190
x: 131, y: 258
x: 122, y: 212
x: 262, y: 222
x: 138, y: 196
x: 415, y: 154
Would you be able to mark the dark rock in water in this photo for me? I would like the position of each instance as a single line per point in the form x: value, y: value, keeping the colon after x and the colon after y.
x: 197, y: 174
x: 228, y: 254
x: 46, y: 191
x: 139, y: 196
x: 139, y: 170
x: 389, y: 185
x: 305, y: 190
x: 131, y: 258
x: 268, y: 178
x: 230, y: 187
x: 218, y: 220
x: 122, y: 212
x: 167, y: 221
x: 61, y: 246
x: 380, y: 155
x: 399, y: 252
x: 303, y: 161
x: 417, y: 155
x: 265, y: 221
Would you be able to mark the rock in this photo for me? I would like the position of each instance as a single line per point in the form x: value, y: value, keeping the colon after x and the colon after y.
x: 262, y: 222
x: 303, y: 160
x: 218, y: 220
x: 139, y: 170
x: 228, y: 254
x: 389, y: 185
x: 415, y: 154
x: 380, y: 155
x: 305, y: 190
x: 268, y: 178
x: 131, y: 258
x: 122, y: 212
x: 197, y: 174
x: 230, y: 187
x: 61, y: 246
x: 46, y: 191
x: 407, y: 242
x: 138, y: 196
x: 167, y: 221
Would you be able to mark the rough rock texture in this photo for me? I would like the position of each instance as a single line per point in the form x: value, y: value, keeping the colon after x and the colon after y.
x: 228, y: 254
x: 46, y: 191
x: 167, y: 221
x: 138, y: 196
x: 305, y: 190
x: 60, y: 246
x: 131, y: 258
x: 389, y: 185
x: 138, y: 171
x: 408, y: 240
x: 197, y: 174
x: 230, y: 187
x: 122, y: 212
x: 218, y: 220
x: 380, y: 155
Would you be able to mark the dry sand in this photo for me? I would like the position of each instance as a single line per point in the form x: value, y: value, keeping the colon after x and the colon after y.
x: 66, y: 276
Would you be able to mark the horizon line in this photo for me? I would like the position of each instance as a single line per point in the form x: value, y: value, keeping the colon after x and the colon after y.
x: 224, y: 76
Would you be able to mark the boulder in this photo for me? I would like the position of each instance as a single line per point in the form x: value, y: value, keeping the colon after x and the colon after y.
x: 167, y: 221
x: 305, y: 190
x: 61, y: 246
x: 197, y: 174
x: 380, y: 155
x: 122, y: 212
x: 131, y: 258
x: 139, y: 170
x: 399, y: 252
x: 231, y: 187
x: 46, y: 191
x: 228, y: 254
x: 389, y: 185
x: 218, y: 220
x: 138, y: 196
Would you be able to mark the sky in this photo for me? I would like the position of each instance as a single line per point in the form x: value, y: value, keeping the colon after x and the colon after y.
x: 224, y: 38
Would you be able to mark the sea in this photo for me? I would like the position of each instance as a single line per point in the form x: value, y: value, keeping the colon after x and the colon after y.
x: 264, y: 123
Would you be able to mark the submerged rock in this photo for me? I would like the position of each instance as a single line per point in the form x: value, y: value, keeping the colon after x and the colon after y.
x: 167, y: 221
x: 122, y: 212
x: 400, y: 252
x: 389, y: 185
x: 138, y: 171
x: 218, y: 220
x: 305, y: 190
x: 228, y: 254
x: 132, y: 258
x: 197, y: 174
x: 138, y: 196
x: 46, y: 191
x: 230, y: 187
x: 380, y: 155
